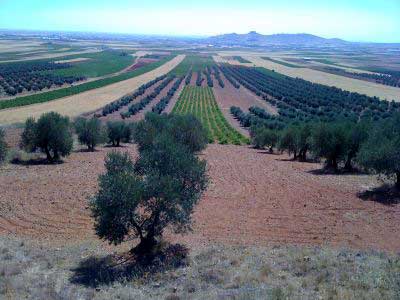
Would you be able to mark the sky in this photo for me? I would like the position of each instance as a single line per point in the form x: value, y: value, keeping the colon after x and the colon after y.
x: 353, y: 20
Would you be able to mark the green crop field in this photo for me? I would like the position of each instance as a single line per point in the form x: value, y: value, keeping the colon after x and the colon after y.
x: 193, y: 62
x: 56, y: 94
x: 200, y: 102
x: 286, y: 64
x: 99, y: 64
x: 241, y: 60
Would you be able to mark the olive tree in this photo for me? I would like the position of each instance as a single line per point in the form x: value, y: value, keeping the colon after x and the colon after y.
x: 304, y: 140
x: 3, y: 147
x: 51, y: 134
x: 296, y: 140
x: 90, y: 132
x: 288, y: 141
x: 357, y: 134
x: 262, y: 137
x: 160, y: 189
x: 329, y: 142
x: 184, y: 129
x: 381, y: 151
x: 119, y: 131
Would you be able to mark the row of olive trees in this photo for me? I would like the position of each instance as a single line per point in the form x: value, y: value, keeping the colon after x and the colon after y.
x: 374, y: 147
x: 52, y: 134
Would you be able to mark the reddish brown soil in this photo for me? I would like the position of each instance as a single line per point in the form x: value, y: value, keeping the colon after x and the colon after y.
x: 140, y: 63
x: 243, y: 98
x: 253, y: 198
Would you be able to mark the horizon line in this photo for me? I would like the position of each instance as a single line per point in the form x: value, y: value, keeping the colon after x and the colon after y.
x: 196, y: 36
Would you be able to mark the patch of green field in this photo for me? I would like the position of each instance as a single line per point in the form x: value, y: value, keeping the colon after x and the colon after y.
x: 325, y: 61
x: 270, y: 72
x: 51, y: 49
x: 286, y: 64
x: 330, y: 62
x: 56, y: 94
x: 193, y: 62
x: 200, y: 102
x: 99, y: 64
x: 241, y: 60
x: 311, y: 53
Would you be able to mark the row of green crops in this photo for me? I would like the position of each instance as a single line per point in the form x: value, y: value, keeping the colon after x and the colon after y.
x: 56, y: 94
x: 200, y: 102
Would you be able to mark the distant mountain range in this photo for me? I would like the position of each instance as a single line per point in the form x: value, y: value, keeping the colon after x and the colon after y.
x: 255, y: 39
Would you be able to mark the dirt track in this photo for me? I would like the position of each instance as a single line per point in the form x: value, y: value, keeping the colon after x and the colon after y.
x: 86, y: 101
x: 254, y: 198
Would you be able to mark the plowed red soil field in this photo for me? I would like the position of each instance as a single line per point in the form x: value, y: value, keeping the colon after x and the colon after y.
x: 253, y: 198
x: 230, y: 96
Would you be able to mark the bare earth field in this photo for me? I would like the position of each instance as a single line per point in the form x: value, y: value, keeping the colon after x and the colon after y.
x: 254, y: 198
x: 86, y: 101
x: 349, y: 84
x: 243, y: 98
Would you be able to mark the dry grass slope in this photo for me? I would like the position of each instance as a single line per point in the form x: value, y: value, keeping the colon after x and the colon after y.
x: 86, y: 271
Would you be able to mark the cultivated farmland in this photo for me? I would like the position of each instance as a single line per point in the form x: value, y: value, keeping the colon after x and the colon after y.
x: 89, y: 100
x: 369, y: 88
x: 291, y: 188
x: 201, y: 102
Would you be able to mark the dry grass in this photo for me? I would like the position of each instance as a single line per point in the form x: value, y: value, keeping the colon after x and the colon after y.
x: 87, y: 101
x: 353, y: 85
x: 87, y: 271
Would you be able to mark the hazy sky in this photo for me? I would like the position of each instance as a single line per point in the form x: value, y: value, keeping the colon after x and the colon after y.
x: 356, y: 20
